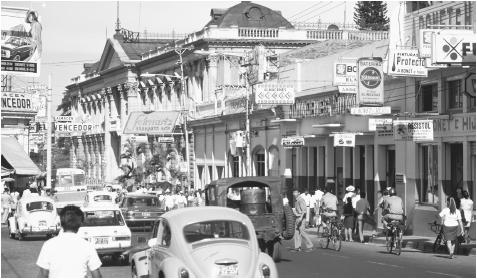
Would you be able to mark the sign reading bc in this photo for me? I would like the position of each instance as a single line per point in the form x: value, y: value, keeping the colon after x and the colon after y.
x: 370, y: 77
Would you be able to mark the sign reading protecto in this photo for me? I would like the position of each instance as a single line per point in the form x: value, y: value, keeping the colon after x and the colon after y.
x: 370, y: 81
x: 406, y: 62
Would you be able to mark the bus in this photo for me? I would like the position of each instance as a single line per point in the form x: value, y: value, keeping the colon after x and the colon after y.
x: 70, y: 179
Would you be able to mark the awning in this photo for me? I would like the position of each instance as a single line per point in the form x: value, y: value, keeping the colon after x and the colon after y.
x: 6, y: 172
x: 151, y: 123
x: 13, y: 152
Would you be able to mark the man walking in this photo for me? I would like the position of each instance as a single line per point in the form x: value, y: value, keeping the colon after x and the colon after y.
x: 68, y: 254
x: 300, y: 213
x: 7, y: 202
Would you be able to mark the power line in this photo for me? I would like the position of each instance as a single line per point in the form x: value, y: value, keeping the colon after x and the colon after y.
x: 316, y: 10
x: 307, y: 9
x: 326, y: 10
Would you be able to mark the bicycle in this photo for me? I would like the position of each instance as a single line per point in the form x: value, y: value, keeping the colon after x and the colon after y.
x: 336, y: 228
x: 394, y: 237
x: 440, y: 244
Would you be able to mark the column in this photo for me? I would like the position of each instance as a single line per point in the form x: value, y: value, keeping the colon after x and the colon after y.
x: 379, y: 167
x: 80, y: 153
x: 100, y: 153
x: 155, y: 103
x: 357, y: 167
x: 467, y: 171
x: 321, y: 164
x: 123, y: 103
x: 94, y: 156
x: 212, y: 77
x: 131, y: 89
x: 347, y: 171
x: 443, y: 172
x: 301, y: 165
x: 330, y: 161
x: 311, y: 179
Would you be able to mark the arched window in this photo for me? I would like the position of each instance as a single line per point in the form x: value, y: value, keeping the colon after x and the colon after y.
x: 273, y: 157
x: 259, y: 156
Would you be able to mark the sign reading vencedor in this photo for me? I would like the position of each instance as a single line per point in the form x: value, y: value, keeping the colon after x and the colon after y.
x: 152, y: 123
x: 71, y: 127
x: 370, y: 81
x: 275, y: 94
x: 345, y: 139
x: 454, y: 47
x: 295, y: 141
x: 21, y: 102
x: 406, y: 62
x: 414, y: 130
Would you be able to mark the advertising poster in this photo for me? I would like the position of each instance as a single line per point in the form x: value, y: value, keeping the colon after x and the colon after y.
x: 453, y: 47
x: 370, y: 81
x: 425, y: 43
x: 295, y: 141
x: 414, y: 130
x: 407, y: 63
x: 21, y: 42
x: 344, y: 140
x: 274, y: 94
x: 345, y: 73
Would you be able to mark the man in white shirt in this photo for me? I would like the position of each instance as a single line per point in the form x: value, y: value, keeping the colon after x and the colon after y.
x: 169, y: 200
x: 317, y: 196
x: 69, y: 255
x: 307, y: 198
x: 181, y: 200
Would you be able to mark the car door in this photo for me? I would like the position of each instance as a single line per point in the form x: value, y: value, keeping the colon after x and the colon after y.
x: 160, y: 251
x: 152, y: 252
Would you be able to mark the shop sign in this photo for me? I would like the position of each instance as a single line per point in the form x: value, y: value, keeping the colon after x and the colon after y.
x: 425, y: 42
x: 345, y: 73
x: 345, y: 139
x: 71, y: 127
x: 21, y: 42
x: 62, y: 118
x: 152, y: 123
x: 470, y: 85
x: 406, y: 62
x: 165, y: 139
x: 295, y: 141
x: 371, y: 110
x: 371, y: 78
x: 413, y: 130
x: 348, y: 89
x: 138, y: 139
x: 458, y: 125
x: 380, y: 124
x: 18, y: 102
x: 274, y: 94
x: 41, y: 118
x: 453, y: 47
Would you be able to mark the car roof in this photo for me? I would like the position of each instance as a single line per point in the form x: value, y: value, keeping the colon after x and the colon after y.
x: 33, y: 198
x: 180, y: 217
x: 100, y: 206
x: 137, y: 195
x: 100, y: 193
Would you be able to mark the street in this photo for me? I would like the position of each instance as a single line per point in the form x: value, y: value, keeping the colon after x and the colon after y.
x: 354, y: 260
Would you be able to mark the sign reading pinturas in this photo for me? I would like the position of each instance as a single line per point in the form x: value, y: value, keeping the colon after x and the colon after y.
x: 295, y: 141
x: 414, y: 130
x: 345, y: 139
x: 406, y: 62
x: 370, y: 81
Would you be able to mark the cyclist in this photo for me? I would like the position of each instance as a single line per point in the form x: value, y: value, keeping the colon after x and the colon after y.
x: 393, y: 210
x: 329, y: 206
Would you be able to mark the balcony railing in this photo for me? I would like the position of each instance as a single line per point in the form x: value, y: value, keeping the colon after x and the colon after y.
x: 323, y: 25
x: 322, y: 105
x: 346, y: 35
x: 258, y: 33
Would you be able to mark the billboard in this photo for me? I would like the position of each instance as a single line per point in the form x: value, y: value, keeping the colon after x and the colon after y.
x: 414, y: 130
x: 18, y: 102
x: 21, y: 42
x: 453, y: 47
x: 406, y: 62
x: 153, y: 123
x: 273, y: 93
x: 344, y: 73
x: 370, y: 81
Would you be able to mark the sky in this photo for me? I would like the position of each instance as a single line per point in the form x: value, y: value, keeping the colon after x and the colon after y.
x: 75, y: 32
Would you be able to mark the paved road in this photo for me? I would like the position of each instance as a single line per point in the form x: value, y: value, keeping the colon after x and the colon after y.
x: 355, y: 260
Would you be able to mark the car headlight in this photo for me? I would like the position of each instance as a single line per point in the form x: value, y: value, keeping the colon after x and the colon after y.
x: 183, y: 273
x: 265, y: 271
x: 7, y: 53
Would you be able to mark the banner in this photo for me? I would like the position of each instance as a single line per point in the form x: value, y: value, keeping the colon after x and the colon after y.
x: 152, y: 123
x: 347, y: 140
x: 370, y: 81
x: 18, y: 102
x: 370, y: 110
x: 406, y: 62
x: 274, y: 94
x: 413, y: 130
x: 453, y: 47
x: 295, y: 141
x: 21, y: 42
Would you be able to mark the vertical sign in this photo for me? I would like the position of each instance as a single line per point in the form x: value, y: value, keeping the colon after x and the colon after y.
x: 21, y: 42
x: 344, y: 75
x: 370, y: 81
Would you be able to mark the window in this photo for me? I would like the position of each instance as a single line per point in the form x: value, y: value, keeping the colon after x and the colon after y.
x: 428, y: 191
x: 235, y: 166
x: 39, y: 205
x: 260, y: 164
x: 428, y: 99
x: 220, y: 172
x: 143, y: 201
x: 215, y: 229
x: 103, y: 218
x: 454, y: 89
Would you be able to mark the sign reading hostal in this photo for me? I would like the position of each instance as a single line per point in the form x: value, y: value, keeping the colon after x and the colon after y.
x: 153, y: 123
x: 414, y: 130
x: 454, y: 47
x: 346, y: 139
x: 406, y: 62
x: 370, y: 81
x: 274, y: 94
x: 20, y: 102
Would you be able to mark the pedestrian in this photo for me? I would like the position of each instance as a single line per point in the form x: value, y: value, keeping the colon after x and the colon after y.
x: 26, y: 192
x: 362, y: 209
x: 169, y: 200
x: 308, y: 204
x: 467, y: 206
x: 349, y: 193
x: 7, y: 202
x: 285, y: 199
x: 300, y: 213
x: 181, y: 200
x: 68, y: 254
x: 354, y: 199
x: 348, y: 215
x: 190, y: 199
x: 318, y: 196
x: 202, y: 197
x: 313, y: 204
x: 452, y: 222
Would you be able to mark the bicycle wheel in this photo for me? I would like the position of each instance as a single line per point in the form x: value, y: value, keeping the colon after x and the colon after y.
x: 397, y: 247
x: 437, y: 243
x: 336, y: 239
x: 389, y: 243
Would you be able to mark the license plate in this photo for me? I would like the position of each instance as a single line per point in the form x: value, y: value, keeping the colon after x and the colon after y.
x: 228, y: 270
x: 146, y: 214
x: 101, y: 240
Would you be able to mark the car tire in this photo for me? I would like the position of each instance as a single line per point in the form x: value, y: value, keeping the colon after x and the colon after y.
x: 133, y: 270
x: 276, y: 252
x: 289, y: 223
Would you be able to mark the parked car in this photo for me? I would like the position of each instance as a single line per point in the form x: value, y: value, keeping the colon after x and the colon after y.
x: 202, y: 242
x: 140, y: 211
x: 17, y: 49
x: 105, y: 228
x: 260, y: 199
x: 100, y: 197
x: 65, y: 198
x: 34, y: 215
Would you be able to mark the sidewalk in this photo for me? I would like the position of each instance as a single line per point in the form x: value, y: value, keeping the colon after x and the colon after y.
x: 422, y: 243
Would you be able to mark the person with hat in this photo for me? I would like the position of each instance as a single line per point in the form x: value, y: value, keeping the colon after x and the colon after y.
x: 329, y: 207
x: 393, y: 209
x: 349, y: 193
x: 300, y: 213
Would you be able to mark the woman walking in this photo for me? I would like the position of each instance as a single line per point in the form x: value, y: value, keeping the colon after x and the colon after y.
x: 348, y: 213
x: 452, y: 222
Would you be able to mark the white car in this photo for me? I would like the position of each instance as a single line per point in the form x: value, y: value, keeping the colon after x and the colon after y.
x: 34, y: 215
x: 202, y: 242
x: 105, y: 228
x: 100, y: 197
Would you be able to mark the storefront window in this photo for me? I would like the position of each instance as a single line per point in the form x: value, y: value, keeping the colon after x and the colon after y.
x: 455, y: 94
x: 428, y: 189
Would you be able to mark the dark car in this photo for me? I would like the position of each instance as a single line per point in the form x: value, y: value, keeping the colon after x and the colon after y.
x: 17, y: 49
x: 140, y: 211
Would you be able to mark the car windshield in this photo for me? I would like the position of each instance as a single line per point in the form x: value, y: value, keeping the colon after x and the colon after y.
x: 14, y: 41
x: 142, y: 201
x: 39, y: 205
x: 102, y: 218
x: 215, y: 229
x: 98, y: 198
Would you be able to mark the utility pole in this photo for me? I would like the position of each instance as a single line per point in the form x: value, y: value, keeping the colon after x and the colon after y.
x: 48, y: 134
x: 247, y: 126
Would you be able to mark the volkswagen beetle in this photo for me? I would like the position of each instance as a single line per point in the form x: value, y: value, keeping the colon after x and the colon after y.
x: 202, y: 242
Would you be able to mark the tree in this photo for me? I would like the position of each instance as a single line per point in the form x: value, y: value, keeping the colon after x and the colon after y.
x: 371, y: 15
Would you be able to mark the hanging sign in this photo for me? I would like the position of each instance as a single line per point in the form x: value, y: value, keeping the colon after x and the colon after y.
x: 295, y: 141
x: 406, y: 62
x: 345, y: 73
x: 346, y: 139
x: 453, y: 47
x: 380, y: 124
x: 370, y: 81
x: 470, y: 85
x: 350, y: 89
x: 414, y: 130
x: 371, y: 110
x: 274, y: 94
x: 165, y: 139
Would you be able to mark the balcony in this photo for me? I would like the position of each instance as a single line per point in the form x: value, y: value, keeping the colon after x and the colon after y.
x: 322, y: 105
